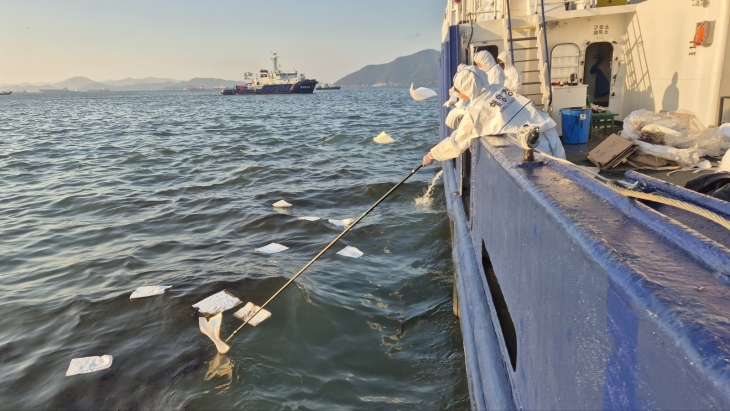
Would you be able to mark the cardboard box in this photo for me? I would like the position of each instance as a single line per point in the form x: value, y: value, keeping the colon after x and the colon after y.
x: 611, y: 152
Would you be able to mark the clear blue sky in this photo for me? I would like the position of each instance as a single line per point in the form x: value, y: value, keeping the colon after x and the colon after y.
x: 50, y: 41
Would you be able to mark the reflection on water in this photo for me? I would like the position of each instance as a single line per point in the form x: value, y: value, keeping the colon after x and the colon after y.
x: 220, y: 366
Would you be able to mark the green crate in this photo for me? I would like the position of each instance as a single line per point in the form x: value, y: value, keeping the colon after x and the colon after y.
x: 609, y: 3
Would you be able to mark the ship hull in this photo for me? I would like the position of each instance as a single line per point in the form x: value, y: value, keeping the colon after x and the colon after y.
x: 571, y: 296
x: 300, y: 87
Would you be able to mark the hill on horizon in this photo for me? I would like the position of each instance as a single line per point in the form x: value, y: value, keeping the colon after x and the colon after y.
x: 129, y: 84
x: 420, y: 68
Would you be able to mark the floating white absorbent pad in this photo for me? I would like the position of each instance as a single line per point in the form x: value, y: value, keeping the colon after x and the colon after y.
x: 149, y: 291
x: 89, y: 364
x: 272, y: 248
x: 282, y: 204
x: 212, y: 328
x: 247, y: 311
x: 341, y: 223
x: 383, y: 138
x: 351, y: 252
x: 308, y: 218
x: 422, y: 93
x: 217, y: 303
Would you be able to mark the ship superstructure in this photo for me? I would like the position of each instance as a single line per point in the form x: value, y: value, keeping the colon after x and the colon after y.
x: 274, y: 81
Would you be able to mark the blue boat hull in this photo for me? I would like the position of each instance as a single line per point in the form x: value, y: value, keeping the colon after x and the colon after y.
x: 300, y: 87
x: 571, y: 296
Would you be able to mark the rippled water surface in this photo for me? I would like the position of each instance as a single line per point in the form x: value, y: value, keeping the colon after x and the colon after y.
x: 106, y: 192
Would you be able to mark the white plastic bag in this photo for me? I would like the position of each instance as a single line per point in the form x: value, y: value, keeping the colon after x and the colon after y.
x: 725, y: 163
x: 683, y: 156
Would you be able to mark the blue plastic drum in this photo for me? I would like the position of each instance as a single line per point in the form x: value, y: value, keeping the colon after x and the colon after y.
x: 576, y: 124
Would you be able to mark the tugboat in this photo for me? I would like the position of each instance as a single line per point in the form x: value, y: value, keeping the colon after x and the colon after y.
x: 273, y: 82
x: 326, y: 86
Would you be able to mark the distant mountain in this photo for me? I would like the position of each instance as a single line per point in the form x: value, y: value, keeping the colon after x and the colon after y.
x: 147, y: 80
x: 78, y: 83
x: 420, y: 68
x: 127, y: 84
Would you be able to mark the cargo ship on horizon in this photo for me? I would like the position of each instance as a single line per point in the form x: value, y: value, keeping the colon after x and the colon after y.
x: 275, y: 81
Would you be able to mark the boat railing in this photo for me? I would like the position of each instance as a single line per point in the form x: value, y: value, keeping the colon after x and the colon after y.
x: 469, y: 11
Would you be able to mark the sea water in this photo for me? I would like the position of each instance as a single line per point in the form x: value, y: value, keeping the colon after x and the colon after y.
x: 103, y: 193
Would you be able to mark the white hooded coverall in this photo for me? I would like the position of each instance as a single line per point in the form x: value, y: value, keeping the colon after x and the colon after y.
x: 513, y: 76
x: 495, y: 75
x: 492, y: 112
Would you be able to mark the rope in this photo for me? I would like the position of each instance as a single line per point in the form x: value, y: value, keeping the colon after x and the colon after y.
x: 703, y: 212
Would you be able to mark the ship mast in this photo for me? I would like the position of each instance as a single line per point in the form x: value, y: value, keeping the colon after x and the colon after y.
x: 275, y: 58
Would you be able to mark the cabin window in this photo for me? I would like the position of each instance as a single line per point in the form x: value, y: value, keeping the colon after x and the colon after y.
x: 564, y: 61
x: 503, y: 316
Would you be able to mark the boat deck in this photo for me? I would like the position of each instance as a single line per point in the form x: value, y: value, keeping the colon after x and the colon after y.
x: 578, y: 154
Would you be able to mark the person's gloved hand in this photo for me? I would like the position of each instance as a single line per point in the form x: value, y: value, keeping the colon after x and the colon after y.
x: 453, y: 98
x: 427, y: 159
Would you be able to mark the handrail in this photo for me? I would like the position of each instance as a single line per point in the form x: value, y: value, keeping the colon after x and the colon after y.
x: 573, y: 3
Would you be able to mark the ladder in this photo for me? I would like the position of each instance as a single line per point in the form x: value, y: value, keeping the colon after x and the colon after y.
x: 528, y: 46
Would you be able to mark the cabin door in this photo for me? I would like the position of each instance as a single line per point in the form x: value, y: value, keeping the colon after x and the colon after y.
x: 597, y: 72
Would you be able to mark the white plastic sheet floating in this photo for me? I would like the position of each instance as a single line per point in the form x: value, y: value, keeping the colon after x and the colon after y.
x: 422, y: 93
x: 309, y: 218
x: 212, y: 328
x: 341, y: 223
x: 351, y: 252
x: 272, y: 248
x: 282, y: 204
x: 149, y: 291
x: 86, y: 365
x: 383, y: 138
x: 247, y: 311
x: 217, y: 303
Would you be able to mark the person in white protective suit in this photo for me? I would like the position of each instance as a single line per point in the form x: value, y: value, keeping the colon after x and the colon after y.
x: 485, y: 61
x: 492, y: 112
x: 457, y: 105
x: 512, y: 75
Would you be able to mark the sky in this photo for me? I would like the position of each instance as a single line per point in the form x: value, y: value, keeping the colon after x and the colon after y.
x: 50, y: 41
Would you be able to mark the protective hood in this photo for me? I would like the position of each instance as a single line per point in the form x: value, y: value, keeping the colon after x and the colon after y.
x: 471, y: 82
x: 506, y: 57
x: 486, y: 59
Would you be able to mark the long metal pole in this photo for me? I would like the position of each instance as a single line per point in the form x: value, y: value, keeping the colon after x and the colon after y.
x: 509, y: 27
x: 326, y: 248
x: 547, y: 55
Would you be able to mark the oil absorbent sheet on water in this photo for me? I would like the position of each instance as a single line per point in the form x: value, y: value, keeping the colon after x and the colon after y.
x: 148, y: 291
x: 86, y: 365
x: 309, y: 218
x: 247, y: 311
x: 217, y: 303
x: 272, y: 248
x: 341, y: 223
x: 282, y: 204
x: 383, y: 138
x: 351, y: 252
